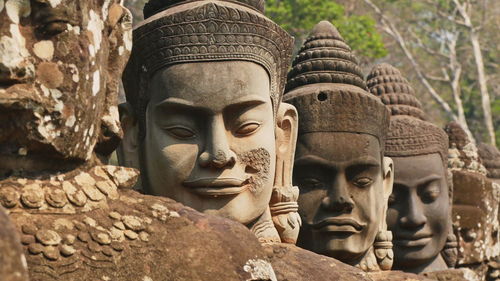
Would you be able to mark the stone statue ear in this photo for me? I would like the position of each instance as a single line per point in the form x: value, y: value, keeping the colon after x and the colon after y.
x: 128, y: 150
x: 283, y: 204
x: 388, y: 177
x: 286, y: 140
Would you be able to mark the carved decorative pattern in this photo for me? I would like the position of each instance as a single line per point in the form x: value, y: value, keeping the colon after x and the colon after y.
x: 206, y: 31
x: 325, y: 58
x: 69, y: 224
x: 409, y: 133
x: 326, y: 83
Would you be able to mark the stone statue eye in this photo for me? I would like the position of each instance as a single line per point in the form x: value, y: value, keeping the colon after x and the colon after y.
x: 430, y: 193
x: 363, y: 182
x: 248, y: 128
x: 180, y: 132
x: 311, y: 183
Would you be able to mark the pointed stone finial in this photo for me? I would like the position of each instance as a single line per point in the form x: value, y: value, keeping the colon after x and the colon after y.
x: 325, y: 58
x: 387, y: 82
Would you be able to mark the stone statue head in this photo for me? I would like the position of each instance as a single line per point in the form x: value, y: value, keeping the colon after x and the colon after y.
x: 59, y: 68
x: 340, y: 169
x: 419, y: 207
x: 491, y: 161
x: 475, y: 201
x: 204, y: 121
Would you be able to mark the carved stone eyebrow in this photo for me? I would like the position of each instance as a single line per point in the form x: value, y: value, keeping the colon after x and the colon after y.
x: 247, y: 101
x: 428, y: 179
x: 317, y: 160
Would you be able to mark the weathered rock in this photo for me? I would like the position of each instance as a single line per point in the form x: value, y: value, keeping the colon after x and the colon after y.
x: 396, y: 275
x: 12, y: 261
x: 475, y: 217
x: 475, y: 204
x: 462, y: 274
x: 293, y: 263
x: 157, y: 245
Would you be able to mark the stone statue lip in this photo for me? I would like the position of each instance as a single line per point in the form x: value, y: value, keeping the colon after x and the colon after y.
x: 335, y: 224
x: 217, y: 186
x: 413, y: 240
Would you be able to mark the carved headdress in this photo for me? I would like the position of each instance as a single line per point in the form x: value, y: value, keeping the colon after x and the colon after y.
x: 491, y: 159
x: 205, y: 30
x: 462, y: 153
x: 409, y: 134
x: 326, y: 84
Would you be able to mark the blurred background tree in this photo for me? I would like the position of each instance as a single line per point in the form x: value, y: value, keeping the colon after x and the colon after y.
x: 298, y: 17
x: 437, y: 44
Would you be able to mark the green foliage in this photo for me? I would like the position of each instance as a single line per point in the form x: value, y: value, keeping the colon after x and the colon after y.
x: 298, y: 17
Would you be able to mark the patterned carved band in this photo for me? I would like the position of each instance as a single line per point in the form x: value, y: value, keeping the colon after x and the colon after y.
x: 339, y: 108
x: 409, y: 133
x: 207, y: 31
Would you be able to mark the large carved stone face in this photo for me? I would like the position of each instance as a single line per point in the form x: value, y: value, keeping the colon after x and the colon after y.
x: 59, y: 62
x: 342, y: 192
x: 419, y: 209
x: 210, y: 140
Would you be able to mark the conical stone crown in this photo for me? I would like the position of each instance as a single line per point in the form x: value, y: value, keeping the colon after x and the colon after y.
x: 409, y: 132
x: 491, y: 159
x: 325, y: 58
x: 327, y: 88
x: 386, y: 82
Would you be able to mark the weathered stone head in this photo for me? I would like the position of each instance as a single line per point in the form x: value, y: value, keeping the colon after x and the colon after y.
x: 419, y: 207
x: 204, y: 120
x: 491, y: 161
x: 59, y: 67
x: 343, y: 176
x: 475, y: 203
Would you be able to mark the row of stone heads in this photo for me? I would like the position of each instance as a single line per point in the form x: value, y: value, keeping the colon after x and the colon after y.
x: 215, y: 119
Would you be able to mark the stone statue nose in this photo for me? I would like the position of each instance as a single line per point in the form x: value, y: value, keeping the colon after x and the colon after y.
x: 218, y: 159
x: 414, y: 216
x: 338, y: 198
x: 217, y: 153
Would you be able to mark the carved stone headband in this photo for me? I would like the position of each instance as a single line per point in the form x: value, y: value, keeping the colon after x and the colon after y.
x: 339, y: 108
x: 207, y: 31
x: 409, y: 133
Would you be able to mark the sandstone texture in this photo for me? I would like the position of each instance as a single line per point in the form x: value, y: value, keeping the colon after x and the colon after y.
x: 12, y: 261
x: 87, y: 225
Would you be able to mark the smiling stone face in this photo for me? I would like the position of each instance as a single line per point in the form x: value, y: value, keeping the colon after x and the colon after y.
x: 419, y: 209
x: 59, y: 64
x: 210, y: 138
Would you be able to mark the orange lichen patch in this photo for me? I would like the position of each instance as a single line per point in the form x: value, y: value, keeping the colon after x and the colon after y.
x: 115, y: 13
x: 49, y: 74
